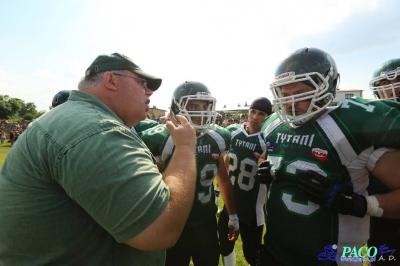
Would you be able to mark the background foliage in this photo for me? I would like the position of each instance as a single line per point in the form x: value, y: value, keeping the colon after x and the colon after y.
x: 14, y: 109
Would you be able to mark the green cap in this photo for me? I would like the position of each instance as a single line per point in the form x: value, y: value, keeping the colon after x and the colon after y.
x: 118, y: 61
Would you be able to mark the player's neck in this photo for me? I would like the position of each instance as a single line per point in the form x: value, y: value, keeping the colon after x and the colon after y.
x: 251, y: 130
x: 317, y: 116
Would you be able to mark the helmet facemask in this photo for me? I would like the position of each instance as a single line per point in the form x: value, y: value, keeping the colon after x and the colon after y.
x: 319, y: 98
x: 382, y: 92
x: 207, y: 117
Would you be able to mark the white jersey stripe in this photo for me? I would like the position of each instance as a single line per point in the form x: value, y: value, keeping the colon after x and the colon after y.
x: 271, y: 127
x: 347, y: 155
x: 167, y: 151
x: 338, y: 139
x: 261, y: 197
x: 220, y: 141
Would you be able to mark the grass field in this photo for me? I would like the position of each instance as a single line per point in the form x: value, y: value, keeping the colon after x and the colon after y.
x: 4, y: 149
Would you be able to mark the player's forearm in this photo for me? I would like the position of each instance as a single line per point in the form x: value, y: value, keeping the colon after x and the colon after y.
x: 226, y: 188
x: 390, y: 203
x: 387, y: 170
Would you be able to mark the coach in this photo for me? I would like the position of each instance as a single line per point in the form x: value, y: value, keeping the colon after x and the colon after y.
x: 79, y: 188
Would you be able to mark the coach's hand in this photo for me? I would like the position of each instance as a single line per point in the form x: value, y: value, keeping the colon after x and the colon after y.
x: 337, y: 196
x: 264, y: 173
x: 233, y: 226
x: 182, y: 132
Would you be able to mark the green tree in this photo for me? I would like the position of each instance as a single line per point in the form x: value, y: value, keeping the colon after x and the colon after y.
x: 16, y: 105
x: 15, y: 109
x: 28, y: 108
x: 29, y: 117
x: 5, y: 107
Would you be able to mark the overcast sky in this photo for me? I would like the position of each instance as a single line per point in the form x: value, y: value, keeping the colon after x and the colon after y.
x: 232, y: 46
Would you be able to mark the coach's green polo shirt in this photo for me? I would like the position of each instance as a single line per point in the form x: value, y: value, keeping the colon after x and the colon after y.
x: 75, y: 186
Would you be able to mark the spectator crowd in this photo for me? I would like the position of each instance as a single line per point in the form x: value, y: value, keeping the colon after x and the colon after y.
x: 9, y: 131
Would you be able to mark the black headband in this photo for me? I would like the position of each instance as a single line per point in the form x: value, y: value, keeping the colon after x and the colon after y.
x: 262, y: 104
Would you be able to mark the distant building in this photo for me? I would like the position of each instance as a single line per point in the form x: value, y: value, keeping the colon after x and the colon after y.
x: 155, y: 113
x: 239, y: 109
x: 342, y: 95
x: 235, y: 110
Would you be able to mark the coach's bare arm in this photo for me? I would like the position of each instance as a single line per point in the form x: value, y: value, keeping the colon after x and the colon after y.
x: 180, y: 176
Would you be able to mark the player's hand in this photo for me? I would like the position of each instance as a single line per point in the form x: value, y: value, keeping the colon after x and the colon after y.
x: 264, y: 173
x: 182, y: 132
x: 233, y: 226
x: 337, y: 196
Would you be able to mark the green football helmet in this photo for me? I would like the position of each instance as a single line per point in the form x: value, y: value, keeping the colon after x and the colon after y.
x: 385, y: 82
x: 192, y: 90
x: 59, y: 98
x: 312, y: 67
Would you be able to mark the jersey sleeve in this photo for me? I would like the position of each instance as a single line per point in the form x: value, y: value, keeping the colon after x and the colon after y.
x: 269, y: 124
x: 233, y: 127
x: 155, y: 138
x: 389, y: 135
x: 226, y: 135
x: 371, y: 122
x: 144, y: 125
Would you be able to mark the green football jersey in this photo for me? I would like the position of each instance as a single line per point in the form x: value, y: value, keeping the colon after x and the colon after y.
x: 143, y: 125
x: 244, y: 152
x: 375, y: 185
x: 354, y: 134
x: 211, y: 146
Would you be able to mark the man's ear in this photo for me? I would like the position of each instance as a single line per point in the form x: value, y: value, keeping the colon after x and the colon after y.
x: 109, y: 80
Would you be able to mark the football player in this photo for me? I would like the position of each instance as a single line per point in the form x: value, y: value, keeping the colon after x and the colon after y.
x: 320, y: 159
x: 60, y: 98
x: 385, y: 84
x: 199, y: 240
x: 247, y: 144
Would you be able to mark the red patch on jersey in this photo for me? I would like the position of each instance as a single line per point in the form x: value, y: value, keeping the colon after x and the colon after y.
x: 321, y: 155
x: 256, y: 155
x: 215, y: 156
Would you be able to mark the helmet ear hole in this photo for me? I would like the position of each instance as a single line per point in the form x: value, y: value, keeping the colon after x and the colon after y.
x: 336, y: 82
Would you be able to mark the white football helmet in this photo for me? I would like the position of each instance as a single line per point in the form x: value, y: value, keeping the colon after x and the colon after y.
x: 313, y: 67
x: 389, y: 72
x: 191, y: 90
